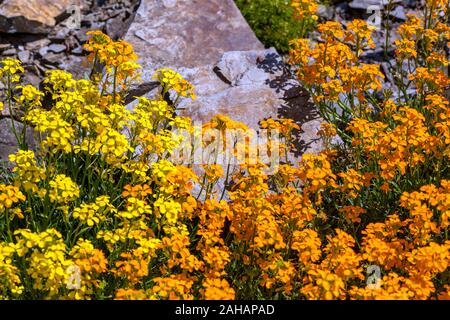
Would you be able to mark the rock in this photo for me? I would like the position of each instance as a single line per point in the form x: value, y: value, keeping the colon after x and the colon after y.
x: 38, y: 44
x: 9, y: 52
x: 5, y: 151
x: 7, y: 137
x: 32, y: 16
x: 60, y: 34
x: 248, y: 86
x: 113, y: 16
x: 188, y: 33
x: 366, y: 4
x: 117, y: 26
x: 43, y: 51
x: 8, y: 141
x: 212, y: 46
x: 325, y: 12
x: 98, y: 26
x: 386, y: 69
x: 56, y: 48
x: 341, y: 7
x: 209, y: 43
x: 78, y: 50
x: 67, y: 36
x: 81, y: 36
x: 30, y: 77
x: 4, y: 46
x: 24, y: 56
x: 77, y: 65
x: 53, y: 59
x: 399, y: 13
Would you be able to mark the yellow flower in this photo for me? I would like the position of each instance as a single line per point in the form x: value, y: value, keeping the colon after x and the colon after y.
x: 167, y: 209
x: 171, y: 80
x: 213, y: 172
x: 9, y: 70
x: 135, y: 208
x: 352, y: 213
x: 9, y: 273
x: 60, y: 80
x: 406, y: 49
x: 63, y: 190
x: 113, y: 145
x: 359, y: 34
x: 352, y: 182
x: 60, y: 134
x: 30, y: 94
x: 45, y: 252
x: 28, y: 172
x: 174, y: 287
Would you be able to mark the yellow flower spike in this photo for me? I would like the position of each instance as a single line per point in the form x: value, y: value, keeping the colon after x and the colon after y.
x: 135, y: 208
x: 10, y: 195
x: 10, y: 67
x: 172, y: 80
x: 63, y: 190
x: 94, y: 213
x: 47, y: 259
x: 30, y: 95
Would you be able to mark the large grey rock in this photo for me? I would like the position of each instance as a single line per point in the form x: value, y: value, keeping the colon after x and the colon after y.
x: 188, y: 33
x: 249, y: 86
x: 326, y: 12
x: 367, y: 4
x: 56, y: 48
x: 32, y: 16
x: 37, y: 44
x: 9, y: 52
x: 4, y: 46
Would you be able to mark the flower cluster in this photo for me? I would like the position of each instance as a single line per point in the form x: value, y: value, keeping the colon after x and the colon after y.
x: 99, y: 210
x: 9, y: 195
x: 305, y: 9
x: 332, y: 72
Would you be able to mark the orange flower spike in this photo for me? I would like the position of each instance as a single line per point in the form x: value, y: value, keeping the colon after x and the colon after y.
x: 359, y: 35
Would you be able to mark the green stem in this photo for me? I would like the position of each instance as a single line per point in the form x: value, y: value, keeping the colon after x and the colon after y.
x: 13, y: 126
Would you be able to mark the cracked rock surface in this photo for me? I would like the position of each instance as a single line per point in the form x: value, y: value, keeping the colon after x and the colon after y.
x: 188, y: 33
